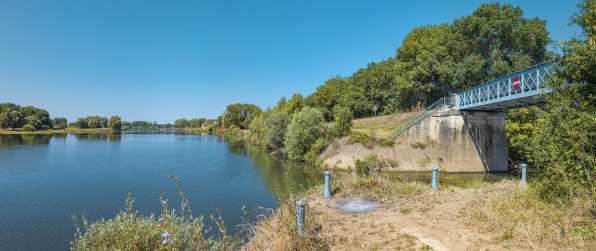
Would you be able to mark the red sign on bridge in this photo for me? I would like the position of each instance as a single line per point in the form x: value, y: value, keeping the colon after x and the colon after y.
x: 516, y: 83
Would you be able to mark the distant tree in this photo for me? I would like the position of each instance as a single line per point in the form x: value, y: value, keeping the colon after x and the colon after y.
x: 4, y: 106
x: 274, y: 128
x: 11, y: 118
x: 194, y: 122
x: 34, y: 121
x: 181, y: 122
x: 81, y: 123
x: 115, y: 123
x: 201, y: 121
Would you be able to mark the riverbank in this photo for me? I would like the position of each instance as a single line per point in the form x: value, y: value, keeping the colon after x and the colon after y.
x: 504, y: 215
x: 57, y: 131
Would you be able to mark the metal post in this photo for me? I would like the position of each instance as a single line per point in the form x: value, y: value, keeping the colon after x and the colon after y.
x: 300, y: 215
x: 434, y: 186
x: 327, y: 186
x: 524, y: 173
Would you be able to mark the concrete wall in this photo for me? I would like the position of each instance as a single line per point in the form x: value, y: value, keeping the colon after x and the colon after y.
x: 467, y: 141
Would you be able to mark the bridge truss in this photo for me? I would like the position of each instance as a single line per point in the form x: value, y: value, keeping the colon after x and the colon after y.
x: 501, y: 94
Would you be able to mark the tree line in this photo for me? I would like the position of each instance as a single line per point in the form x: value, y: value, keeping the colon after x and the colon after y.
x: 435, y: 61
x: 14, y: 116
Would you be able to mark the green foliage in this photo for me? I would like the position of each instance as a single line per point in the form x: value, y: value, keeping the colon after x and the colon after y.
x: 359, y: 137
x: 386, y: 142
x: 28, y: 128
x: 565, y: 142
x: 11, y: 118
x: 274, y: 128
x: 343, y: 120
x: 237, y: 114
x: 184, y: 122
x: 312, y: 156
x: 115, y: 123
x: 521, y: 124
x: 436, y: 60
x: 362, y: 167
x: 306, y: 127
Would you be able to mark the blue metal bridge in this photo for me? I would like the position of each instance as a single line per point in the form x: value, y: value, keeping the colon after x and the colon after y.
x: 512, y: 91
x: 519, y: 89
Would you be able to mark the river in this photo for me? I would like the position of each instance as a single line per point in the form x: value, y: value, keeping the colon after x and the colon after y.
x: 44, y: 178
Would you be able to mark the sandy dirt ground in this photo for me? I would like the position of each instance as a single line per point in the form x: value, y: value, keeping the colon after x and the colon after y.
x: 439, y: 219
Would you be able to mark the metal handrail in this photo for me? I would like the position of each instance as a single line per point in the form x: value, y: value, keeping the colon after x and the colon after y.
x: 421, y: 115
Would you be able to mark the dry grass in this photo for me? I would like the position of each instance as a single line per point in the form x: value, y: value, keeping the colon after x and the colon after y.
x: 498, y: 216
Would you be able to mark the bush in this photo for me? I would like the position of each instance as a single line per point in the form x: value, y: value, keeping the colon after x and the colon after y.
x: 343, y: 119
x: 306, y: 127
x: 386, y: 142
x: 275, y: 127
x: 359, y: 137
x: 312, y: 156
x: 28, y: 128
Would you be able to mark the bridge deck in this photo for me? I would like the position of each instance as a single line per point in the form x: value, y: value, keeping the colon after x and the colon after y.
x: 500, y: 93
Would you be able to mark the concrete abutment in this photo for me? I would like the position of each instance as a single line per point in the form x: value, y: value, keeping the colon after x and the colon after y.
x: 467, y: 141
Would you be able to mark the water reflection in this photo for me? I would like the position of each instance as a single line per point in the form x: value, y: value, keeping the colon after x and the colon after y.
x: 25, y: 139
x: 113, y: 136
x: 278, y: 173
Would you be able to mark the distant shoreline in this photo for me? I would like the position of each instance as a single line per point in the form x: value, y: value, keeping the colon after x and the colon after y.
x: 56, y: 131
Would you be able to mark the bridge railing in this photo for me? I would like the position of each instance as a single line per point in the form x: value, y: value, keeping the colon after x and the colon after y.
x: 413, y: 120
x: 502, y: 89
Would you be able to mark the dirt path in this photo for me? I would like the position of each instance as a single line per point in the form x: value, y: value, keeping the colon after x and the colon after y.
x: 438, y: 219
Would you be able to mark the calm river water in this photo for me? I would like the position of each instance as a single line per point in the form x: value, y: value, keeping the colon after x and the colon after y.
x: 43, y: 178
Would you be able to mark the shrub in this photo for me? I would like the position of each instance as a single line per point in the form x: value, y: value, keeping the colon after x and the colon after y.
x: 343, y: 119
x: 28, y: 128
x: 386, y: 142
x: 312, y: 156
x: 306, y: 127
x: 275, y: 127
x: 359, y: 137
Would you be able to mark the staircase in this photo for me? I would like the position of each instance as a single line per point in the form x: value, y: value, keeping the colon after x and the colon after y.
x: 446, y: 101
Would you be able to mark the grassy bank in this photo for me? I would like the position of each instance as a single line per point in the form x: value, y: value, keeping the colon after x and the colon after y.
x: 57, y: 131
x: 503, y: 215
x: 489, y: 216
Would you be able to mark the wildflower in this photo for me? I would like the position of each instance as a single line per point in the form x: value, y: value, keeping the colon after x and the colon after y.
x: 309, y: 240
x: 273, y: 228
x: 163, y: 202
x: 160, y: 219
x: 263, y: 235
x: 172, y: 241
x: 291, y: 195
x: 287, y: 232
x: 164, y: 241
x: 308, y: 211
x: 165, y: 234
x: 311, y: 229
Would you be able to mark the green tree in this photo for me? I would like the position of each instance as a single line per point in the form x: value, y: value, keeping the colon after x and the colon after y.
x: 181, y: 122
x: 343, y: 119
x: 115, y: 123
x: 11, y: 118
x: 306, y: 127
x: 521, y: 125
x: 565, y: 143
x: 293, y: 105
x: 81, y: 123
x: 274, y: 128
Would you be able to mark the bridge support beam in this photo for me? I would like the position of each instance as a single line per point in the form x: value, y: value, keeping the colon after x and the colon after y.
x: 466, y: 141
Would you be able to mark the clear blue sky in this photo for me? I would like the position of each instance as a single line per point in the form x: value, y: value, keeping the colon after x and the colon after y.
x: 164, y: 60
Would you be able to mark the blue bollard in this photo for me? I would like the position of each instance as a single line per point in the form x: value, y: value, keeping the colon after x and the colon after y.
x: 300, y: 214
x: 435, y: 169
x: 327, y: 186
x: 524, y: 173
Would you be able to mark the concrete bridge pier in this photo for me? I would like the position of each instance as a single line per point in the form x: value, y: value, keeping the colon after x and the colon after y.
x: 467, y: 141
